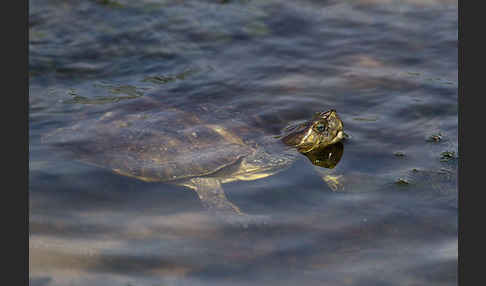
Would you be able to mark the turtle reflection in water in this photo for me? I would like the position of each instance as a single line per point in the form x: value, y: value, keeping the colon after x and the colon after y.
x: 201, y: 149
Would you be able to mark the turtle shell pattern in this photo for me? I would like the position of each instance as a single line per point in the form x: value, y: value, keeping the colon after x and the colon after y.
x: 158, y: 145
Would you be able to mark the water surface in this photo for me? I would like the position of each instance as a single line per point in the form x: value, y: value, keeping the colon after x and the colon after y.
x: 388, y: 67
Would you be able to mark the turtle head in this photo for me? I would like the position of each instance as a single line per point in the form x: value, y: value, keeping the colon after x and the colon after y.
x: 324, y: 129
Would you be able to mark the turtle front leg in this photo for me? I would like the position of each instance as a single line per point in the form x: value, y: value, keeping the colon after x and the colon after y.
x: 335, y: 182
x: 213, y: 198
x: 354, y: 181
x: 212, y: 195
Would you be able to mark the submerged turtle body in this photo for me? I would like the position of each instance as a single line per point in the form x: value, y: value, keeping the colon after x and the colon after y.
x: 200, y: 149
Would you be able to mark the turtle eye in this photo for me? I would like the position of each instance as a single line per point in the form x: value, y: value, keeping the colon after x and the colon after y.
x: 320, y: 127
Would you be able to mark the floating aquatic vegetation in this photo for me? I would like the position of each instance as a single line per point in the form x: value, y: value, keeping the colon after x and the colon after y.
x: 447, y: 156
x: 127, y: 91
x: 402, y: 182
x: 368, y: 119
x: 435, y: 138
x: 414, y: 73
x: 399, y: 154
x: 109, y: 3
x: 163, y: 79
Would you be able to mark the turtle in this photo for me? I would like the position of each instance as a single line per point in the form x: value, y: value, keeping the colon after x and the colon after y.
x: 201, y: 148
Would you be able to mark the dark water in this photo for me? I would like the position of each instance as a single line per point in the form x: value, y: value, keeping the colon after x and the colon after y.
x: 388, y: 67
